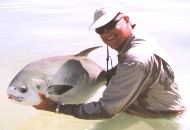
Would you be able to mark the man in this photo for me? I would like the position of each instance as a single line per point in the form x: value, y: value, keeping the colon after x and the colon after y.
x: 143, y: 83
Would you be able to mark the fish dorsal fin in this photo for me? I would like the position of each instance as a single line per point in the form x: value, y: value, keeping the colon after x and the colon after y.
x: 87, y: 51
x: 58, y: 89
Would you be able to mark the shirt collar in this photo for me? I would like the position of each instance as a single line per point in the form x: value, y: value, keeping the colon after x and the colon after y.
x: 126, y: 46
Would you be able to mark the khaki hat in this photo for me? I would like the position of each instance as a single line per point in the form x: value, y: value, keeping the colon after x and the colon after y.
x: 105, y: 13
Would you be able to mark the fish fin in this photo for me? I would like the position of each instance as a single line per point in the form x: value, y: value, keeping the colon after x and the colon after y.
x: 87, y: 51
x: 58, y: 89
x: 102, y: 77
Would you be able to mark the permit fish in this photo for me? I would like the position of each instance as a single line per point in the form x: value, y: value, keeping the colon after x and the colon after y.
x: 68, y: 79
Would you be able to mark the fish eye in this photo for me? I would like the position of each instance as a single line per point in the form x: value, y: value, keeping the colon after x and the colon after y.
x: 22, y: 89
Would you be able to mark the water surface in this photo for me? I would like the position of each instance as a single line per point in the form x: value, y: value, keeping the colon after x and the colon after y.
x: 35, y: 29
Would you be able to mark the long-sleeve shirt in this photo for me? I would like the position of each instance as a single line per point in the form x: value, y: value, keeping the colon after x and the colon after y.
x: 143, y: 85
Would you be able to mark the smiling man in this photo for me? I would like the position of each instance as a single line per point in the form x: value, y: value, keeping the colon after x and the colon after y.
x: 143, y: 83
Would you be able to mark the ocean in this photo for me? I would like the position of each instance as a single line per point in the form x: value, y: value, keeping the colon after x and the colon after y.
x: 36, y: 29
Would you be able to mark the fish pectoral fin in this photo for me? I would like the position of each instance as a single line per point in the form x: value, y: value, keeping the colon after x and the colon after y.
x: 58, y: 89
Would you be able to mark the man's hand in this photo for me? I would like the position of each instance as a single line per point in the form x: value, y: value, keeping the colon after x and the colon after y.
x: 46, y: 104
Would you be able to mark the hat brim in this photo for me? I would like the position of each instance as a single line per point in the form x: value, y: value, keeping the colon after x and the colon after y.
x: 106, y: 18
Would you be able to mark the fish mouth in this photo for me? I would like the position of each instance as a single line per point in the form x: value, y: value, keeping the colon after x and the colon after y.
x: 11, y: 97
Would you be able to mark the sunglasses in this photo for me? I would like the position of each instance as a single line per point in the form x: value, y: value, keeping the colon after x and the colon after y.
x: 109, y: 26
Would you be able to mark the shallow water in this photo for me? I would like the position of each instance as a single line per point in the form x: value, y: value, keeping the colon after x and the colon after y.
x: 35, y: 29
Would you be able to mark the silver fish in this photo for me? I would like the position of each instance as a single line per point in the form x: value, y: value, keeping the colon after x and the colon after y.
x: 64, y: 79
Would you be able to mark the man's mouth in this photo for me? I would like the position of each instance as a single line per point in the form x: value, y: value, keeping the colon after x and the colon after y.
x: 111, y: 38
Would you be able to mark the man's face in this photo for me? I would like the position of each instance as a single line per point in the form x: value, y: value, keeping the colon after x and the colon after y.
x: 117, y: 36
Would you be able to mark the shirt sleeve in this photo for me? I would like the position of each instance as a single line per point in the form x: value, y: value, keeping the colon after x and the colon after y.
x: 121, y: 91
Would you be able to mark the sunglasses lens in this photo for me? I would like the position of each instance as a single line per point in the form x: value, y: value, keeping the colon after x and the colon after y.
x: 108, y: 26
x: 111, y: 25
x: 100, y: 30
